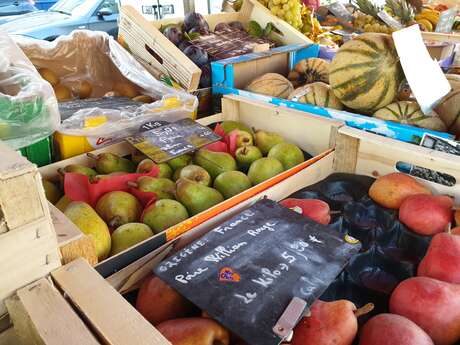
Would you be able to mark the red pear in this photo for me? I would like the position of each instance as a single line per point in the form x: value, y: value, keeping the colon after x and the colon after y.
x: 391, y: 190
x: 158, y: 302
x: 391, y: 329
x: 194, y: 331
x: 426, y: 214
x: 314, y: 209
x: 432, y: 304
x: 330, y: 323
x: 442, y: 260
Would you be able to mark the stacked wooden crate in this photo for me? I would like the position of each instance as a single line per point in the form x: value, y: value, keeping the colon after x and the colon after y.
x: 28, y: 244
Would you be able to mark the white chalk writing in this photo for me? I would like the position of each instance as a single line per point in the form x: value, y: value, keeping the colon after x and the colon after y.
x: 247, y: 297
x: 175, y: 260
x: 243, y: 217
x: 269, y: 226
x: 221, y: 252
x: 184, y: 279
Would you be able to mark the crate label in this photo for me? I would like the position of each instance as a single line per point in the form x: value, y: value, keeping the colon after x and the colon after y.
x: 424, y: 75
x: 172, y: 140
x: 340, y: 11
x: 389, y: 20
x: 253, y: 265
x: 446, y: 20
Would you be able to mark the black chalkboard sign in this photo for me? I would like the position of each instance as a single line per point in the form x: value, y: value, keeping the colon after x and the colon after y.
x: 172, y: 140
x: 245, y: 272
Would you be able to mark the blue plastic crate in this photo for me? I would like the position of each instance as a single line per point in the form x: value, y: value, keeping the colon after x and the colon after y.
x: 223, y: 78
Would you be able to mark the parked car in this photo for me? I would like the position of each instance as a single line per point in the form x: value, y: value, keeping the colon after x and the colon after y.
x: 66, y: 16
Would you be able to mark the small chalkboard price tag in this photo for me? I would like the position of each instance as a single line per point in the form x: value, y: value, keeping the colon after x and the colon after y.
x: 340, y: 11
x: 167, y: 141
x: 247, y: 271
x: 389, y: 20
x: 446, y: 20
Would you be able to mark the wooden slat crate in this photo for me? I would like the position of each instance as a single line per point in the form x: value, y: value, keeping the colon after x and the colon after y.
x: 144, y: 39
x: 28, y: 244
x: 42, y: 314
x: 313, y: 134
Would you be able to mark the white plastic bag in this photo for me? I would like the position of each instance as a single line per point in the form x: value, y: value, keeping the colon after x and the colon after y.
x: 28, y: 107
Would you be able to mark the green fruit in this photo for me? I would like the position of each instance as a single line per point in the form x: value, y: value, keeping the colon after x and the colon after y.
x: 231, y: 183
x: 264, y: 169
x: 118, y: 208
x: 89, y: 222
x: 165, y: 171
x: 163, y: 214
x: 229, y: 126
x: 288, y: 154
x: 145, y: 166
x: 63, y: 203
x: 246, y: 155
x: 176, y: 174
x: 162, y: 187
x: 107, y: 163
x: 128, y: 235
x: 196, y: 197
x: 195, y: 173
x: 243, y: 138
x: 180, y: 162
x: 79, y: 169
x: 52, y: 192
x: 266, y: 140
x: 215, y: 163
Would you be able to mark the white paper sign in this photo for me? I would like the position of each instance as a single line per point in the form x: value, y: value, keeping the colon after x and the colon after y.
x: 446, y: 20
x: 340, y: 11
x: 424, y: 75
x: 389, y: 20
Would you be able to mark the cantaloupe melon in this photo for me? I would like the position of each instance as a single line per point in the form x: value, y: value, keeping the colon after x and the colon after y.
x: 365, y: 74
x: 271, y: 84
x: 308, y: 71
x: 318, y: 93
x: 449, y: 111
x: 409, y: 113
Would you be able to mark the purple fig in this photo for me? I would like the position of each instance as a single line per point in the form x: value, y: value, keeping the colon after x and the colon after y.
x: 222, y: 27
x: 174, y: 34
x: 236, y: 25
x: 197, y: 55
x: 199, y: 30
x: 184, y: 44
x: 205, y: 80
x: 195, y: 20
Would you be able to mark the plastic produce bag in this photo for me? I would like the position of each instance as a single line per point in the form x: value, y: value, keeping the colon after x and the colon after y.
x: 96, y: 58
x: 28, y: 107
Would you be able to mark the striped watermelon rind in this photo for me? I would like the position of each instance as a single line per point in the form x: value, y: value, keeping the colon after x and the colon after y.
x: 365, y: 74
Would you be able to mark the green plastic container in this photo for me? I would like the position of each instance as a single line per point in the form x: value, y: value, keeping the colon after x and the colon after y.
x: 40, y: 153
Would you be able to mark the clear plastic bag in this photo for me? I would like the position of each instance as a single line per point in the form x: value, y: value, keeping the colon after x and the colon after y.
x: 28, y: 107
x: 97, y: 58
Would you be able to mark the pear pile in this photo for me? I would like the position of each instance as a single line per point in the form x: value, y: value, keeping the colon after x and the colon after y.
x: 185, y: 186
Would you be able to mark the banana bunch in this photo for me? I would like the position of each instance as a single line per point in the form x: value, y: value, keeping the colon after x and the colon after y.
x: 427, y: 19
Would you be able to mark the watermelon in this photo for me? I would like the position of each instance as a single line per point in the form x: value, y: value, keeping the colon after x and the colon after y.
x: 409, y: 113
x: 365, y: 74
x: 318, y: 93
x: 271, y: 84
x: 449, y: 111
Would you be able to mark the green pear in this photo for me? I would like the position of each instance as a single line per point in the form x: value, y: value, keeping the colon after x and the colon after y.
x: 107, y: 163
x: 118, y: 208
x: 146, y: 165
x: 196, y: 197
x: 137, y: 157
x: 246, y: 155
x: 231, y: 183
x: 229, y: 126
x: 163, y: 214
x: 102, y: 177
x: 63, y: 203
x: 243, y: 138
x: 165, y: 171
x: 78, y: 168
x: 195, y: 173
x: 266, y: 140
x: 128, y: 235
x: 176, y: 174
x: 180, y: 162
x: 52, y: 192
x: 288, y: 154
x: 89, y: 222
x: 264, y: 169
x: 214, y: 163
x: 164, y: 188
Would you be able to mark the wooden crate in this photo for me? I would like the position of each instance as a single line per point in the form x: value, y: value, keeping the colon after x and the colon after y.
x: 77, y: 306
x: 144, y: 39
x: 356, y: 152
x: 313, y: 134
x: 28, y: 244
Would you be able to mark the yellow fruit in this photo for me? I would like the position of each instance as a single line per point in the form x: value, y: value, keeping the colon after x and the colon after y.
x: 84, y: 90
x: 49, y: 76
x: 62, y: 93
x: 126, y: 90
x: 143, y: 99
x: 52, y: 192
x: 425, y: 24
x: 89, y: 222
x: 63, y: 203
x: 271, y: 84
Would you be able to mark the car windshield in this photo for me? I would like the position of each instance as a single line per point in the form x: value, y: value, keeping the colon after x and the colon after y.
x: 72, y: 7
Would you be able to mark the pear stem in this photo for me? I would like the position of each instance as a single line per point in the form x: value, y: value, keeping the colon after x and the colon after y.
x: 92, y: 155
x: 132, y: 184
x: 364, y: 310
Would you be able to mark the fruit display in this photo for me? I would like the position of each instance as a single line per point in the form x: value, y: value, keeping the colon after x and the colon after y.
x: 132, y: 198
x: 271, y: 84
x: 318, y: 93
x: 309, y: 71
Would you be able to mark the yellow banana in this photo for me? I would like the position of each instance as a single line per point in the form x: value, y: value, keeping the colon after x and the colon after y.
x: 426, y: 24
x: 426, y: 10
x: 431, y: 17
